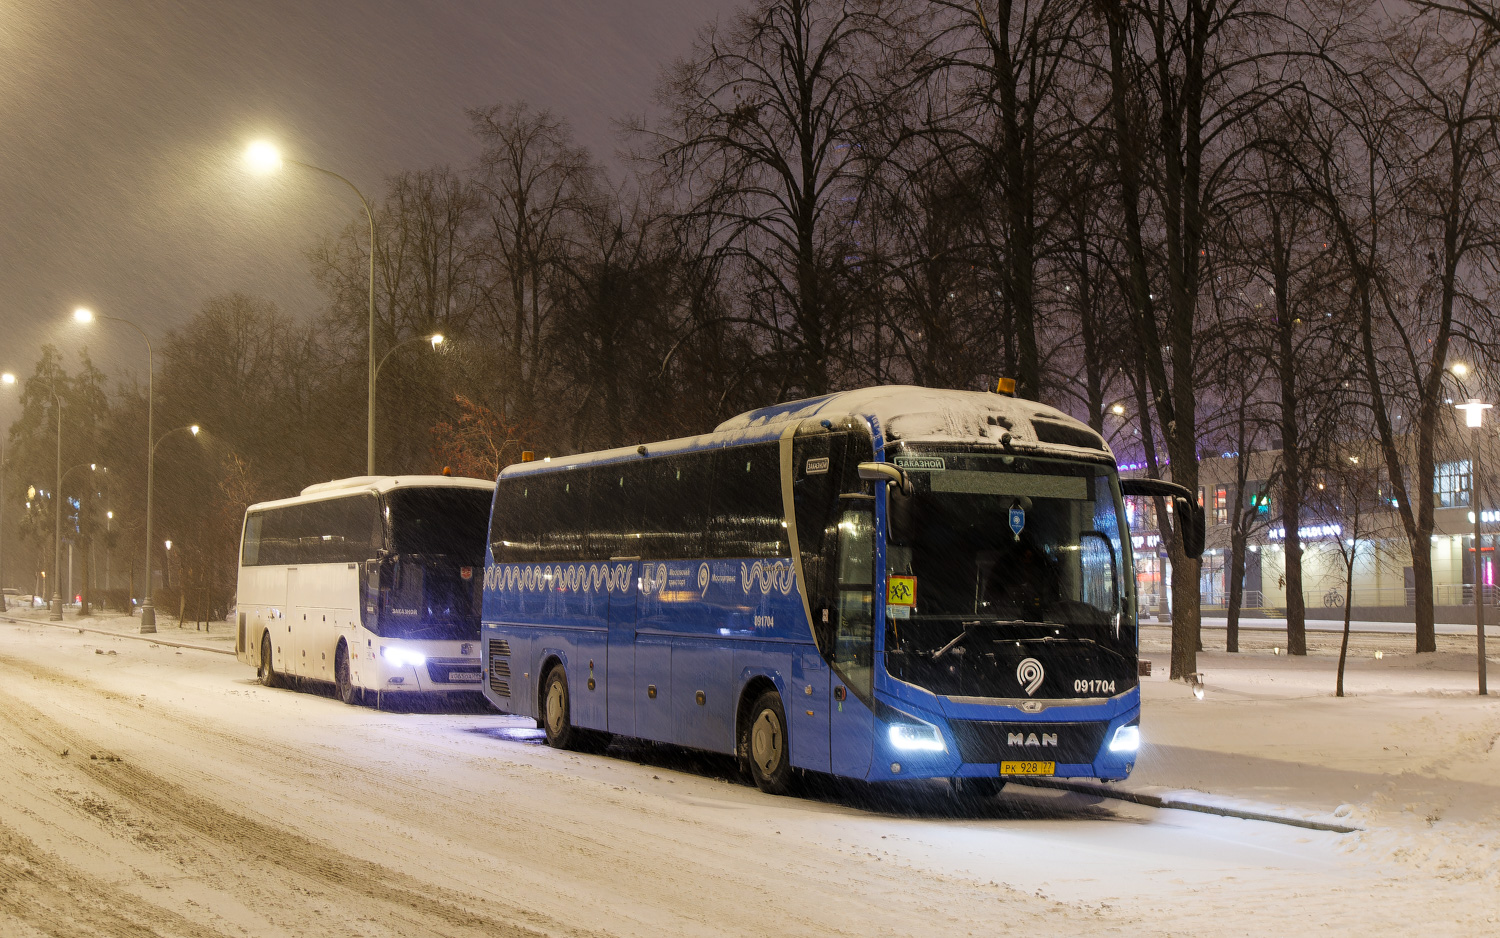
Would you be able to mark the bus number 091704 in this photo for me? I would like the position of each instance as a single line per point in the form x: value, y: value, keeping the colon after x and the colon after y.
x: 1094, y: 687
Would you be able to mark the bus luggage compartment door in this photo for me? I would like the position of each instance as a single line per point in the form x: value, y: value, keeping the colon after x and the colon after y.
x: 619, y: 664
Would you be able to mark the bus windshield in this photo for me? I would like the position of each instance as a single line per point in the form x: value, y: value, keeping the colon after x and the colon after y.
x: 446, y: 521
x: 434, y: 574
x: 1009, y: 557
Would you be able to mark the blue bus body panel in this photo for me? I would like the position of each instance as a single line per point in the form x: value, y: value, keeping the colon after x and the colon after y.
x: 672, y: 646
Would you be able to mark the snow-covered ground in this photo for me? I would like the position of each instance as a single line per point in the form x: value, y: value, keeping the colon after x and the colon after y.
x: 160, y: 791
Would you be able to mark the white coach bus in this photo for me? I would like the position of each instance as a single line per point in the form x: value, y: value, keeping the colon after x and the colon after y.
x: 372, y: 584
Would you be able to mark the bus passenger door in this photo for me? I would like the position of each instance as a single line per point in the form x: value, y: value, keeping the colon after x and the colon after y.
x: 851, y: 723
x: 619, y: 663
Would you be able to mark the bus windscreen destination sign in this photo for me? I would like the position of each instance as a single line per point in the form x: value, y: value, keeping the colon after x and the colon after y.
x: 922, y: 463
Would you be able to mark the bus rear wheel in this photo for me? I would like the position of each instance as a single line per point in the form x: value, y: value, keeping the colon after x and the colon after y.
x: 342, y: 678
x: 765, y: 745
x: 267, y: 671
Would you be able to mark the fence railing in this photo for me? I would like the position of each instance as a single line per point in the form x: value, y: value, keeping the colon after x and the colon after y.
x: 1445, y: 594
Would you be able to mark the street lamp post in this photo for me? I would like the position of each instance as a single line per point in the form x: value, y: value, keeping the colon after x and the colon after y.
x: 8, y: 380
x: 56, y: 612
x: 1474, y: 419
x: 148, y: 608
x: 57, y: 512
x: 263, y: 157
x: 82, y: 315
x: 435, y: 339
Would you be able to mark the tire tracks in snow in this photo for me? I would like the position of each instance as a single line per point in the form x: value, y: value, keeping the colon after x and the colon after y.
x: 267, y: 854
x: 701, y: 865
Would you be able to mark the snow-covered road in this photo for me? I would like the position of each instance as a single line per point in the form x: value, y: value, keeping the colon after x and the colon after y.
x: 151, y: 791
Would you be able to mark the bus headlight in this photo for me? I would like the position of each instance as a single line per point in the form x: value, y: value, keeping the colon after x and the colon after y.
x: 402, y: 657
x: 916, y: 736
x: 1126, y: 739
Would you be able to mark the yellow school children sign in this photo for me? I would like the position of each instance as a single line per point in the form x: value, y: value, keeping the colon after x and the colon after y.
x: 901, y: 591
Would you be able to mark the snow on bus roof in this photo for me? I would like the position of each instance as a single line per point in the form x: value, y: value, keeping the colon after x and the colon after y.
x: 902, y: 413
x: 915, y: 414
x: 684, y: 444
x: 377, y: 484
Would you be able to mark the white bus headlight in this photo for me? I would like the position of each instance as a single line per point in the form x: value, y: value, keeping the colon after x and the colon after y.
x: 402, y: 657
x: 916, y: 736
x: 1126, y: 739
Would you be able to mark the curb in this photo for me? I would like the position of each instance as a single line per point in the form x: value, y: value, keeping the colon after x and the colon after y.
x: 151, y: 637
x: 1172, y: 800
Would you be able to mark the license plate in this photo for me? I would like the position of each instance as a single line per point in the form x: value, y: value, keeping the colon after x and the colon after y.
x: 459, y: 677
x: 1028, y: 768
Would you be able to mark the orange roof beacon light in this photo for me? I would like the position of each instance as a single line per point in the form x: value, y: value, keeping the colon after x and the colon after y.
x: 1006, y: 386
x: 528, y: 456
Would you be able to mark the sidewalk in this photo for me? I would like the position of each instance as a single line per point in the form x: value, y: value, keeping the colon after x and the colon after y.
x: 1411, y: 754
x: 1491, y: 628
x: 219, y: 636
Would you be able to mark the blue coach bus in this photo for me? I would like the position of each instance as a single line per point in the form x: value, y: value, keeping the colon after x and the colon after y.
x: 883, y: 584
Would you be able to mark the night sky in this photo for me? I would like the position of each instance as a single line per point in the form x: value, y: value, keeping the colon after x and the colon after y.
x: 122, y: 123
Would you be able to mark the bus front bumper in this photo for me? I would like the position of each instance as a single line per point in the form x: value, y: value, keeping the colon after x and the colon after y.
x: 1105, y: 747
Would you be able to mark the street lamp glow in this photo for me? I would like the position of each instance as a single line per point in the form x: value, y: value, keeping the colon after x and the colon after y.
x: 263, y: 157
x: 1459, y: 369
x: 194, y: 429
x: 7, y: 378
x: 1474, y: 412
x: 436, y: 340
x: 1118, y: 410
x: 169, y: 545
x: 83, y: 314
x: 110, y: 515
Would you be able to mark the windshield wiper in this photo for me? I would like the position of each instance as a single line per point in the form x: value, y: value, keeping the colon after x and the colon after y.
x: 974, y: 624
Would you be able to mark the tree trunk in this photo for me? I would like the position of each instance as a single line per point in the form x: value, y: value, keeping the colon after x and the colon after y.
x: 1236, y: 591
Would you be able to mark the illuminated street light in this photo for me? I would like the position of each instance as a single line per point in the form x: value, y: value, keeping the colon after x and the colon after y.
x: 263, y: 158
x: 436, y: 339
x: 1459, y: 369
x: 86, y: 316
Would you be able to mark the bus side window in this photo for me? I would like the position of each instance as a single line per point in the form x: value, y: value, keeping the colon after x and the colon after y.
x: 854, y: 639
x: 518, y: 517
x: 250, y: 553
x: 564, y: 531
x: 747, y: 516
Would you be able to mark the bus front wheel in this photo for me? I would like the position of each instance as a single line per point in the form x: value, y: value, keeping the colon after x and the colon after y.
x: 765, y: 745
x: 557, y: 718
x: 267, y: 671
x: 348, y: 693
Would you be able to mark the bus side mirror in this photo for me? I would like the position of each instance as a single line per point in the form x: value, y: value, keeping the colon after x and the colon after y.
x: 1192, y: 520
x: 876, y: 471
x: 1191, y: 524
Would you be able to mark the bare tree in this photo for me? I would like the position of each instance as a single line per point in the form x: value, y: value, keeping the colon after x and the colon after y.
x: 1182, y: 76
x: 533, y: 181
x: 761, y: 138
x: 1407, y: 153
